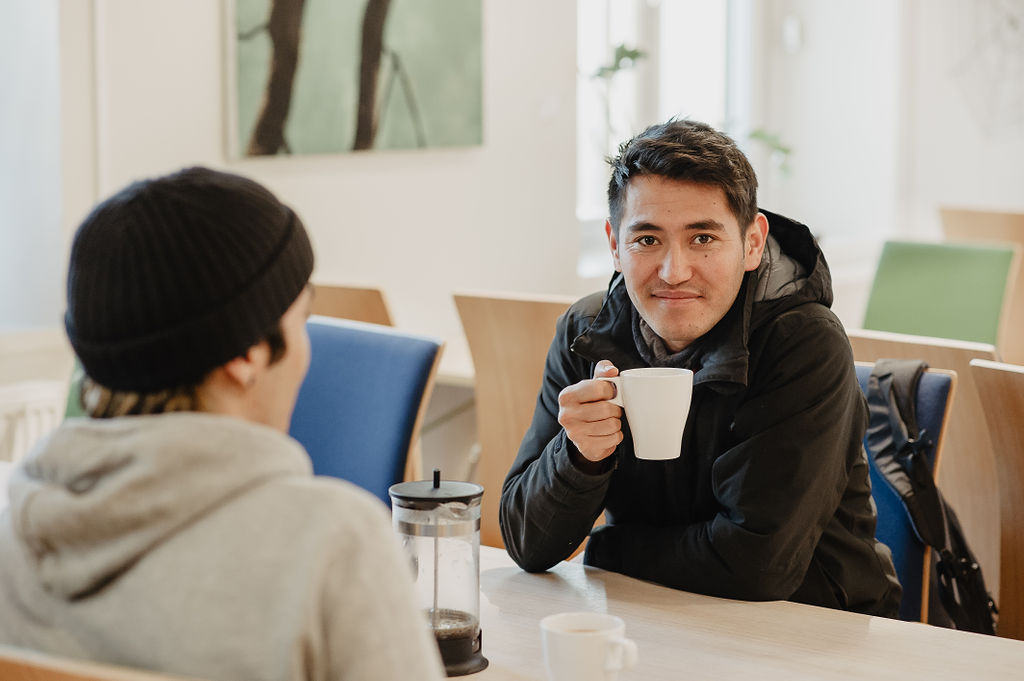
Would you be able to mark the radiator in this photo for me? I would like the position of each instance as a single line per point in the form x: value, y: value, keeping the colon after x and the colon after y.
x: 28, y: 411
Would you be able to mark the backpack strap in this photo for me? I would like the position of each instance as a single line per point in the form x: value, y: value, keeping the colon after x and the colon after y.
x: 899, y: 450
x: 900, y: 454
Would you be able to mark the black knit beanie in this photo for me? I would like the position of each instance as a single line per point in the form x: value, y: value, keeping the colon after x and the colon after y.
x: 174, y: 276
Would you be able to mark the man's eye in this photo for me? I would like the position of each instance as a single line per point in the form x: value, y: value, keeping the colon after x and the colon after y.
x: 703, y: 239
x: 647, y: 240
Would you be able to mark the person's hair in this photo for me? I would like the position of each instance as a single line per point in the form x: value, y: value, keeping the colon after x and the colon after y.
x: 101, y: 402
x: 690, y: 151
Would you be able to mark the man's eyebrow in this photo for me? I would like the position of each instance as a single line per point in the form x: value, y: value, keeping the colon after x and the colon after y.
x: 699, y: 226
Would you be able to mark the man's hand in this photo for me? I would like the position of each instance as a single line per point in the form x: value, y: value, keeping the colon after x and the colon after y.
x: 592, y: 423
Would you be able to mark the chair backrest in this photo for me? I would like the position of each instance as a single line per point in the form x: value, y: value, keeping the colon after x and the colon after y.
x: 361, y: 405
x: 1002, y: 395
x: 974, y: 225
x: 967, y: 472
x: 934, y: 399
x: 17, y: 664
x: 944, y: 290
x: 963, y: 224
x: 361, y: 304
x: 509, y: 337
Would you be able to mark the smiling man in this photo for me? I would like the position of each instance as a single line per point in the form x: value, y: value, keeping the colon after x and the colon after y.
x: 770, y: 496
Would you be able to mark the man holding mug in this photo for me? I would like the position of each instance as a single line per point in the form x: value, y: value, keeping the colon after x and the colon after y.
x: 768, y: 496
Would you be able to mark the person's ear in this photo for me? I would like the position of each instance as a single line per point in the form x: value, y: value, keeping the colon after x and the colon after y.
x: 613, y: 244
x: 243, y: 371
x: 754, y: 242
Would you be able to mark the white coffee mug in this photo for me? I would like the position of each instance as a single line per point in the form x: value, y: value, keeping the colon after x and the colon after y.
x: 585, y: 646
x: 657, y: 402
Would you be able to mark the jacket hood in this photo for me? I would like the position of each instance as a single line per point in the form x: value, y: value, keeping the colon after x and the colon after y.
x: 97, y: 494
x: 792, y: 272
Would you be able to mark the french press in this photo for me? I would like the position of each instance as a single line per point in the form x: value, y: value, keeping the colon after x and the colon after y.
x: 439, y: 523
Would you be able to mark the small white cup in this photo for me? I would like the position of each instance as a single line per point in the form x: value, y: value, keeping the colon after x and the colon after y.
x: 657, y: 402
x: 585, y: 646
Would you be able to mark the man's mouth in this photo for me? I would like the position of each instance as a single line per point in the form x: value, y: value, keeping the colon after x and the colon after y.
x: 668, y: 294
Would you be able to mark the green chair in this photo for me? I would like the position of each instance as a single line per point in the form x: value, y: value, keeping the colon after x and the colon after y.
x: 74, y: 407
x: 943, y: 290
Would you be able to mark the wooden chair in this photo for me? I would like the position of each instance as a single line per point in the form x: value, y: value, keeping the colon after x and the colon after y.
x: 967, y: 474
x: 508, y: 339
x: 17, y: 664
x: 1001, y: 387
x: 361, y: 405
x: 960, y: 224
x: 351, y: 302
x: 974, y: 225
x: 912, y: 558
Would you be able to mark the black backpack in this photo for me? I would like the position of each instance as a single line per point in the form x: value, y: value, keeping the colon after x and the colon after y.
x: 899, y: 452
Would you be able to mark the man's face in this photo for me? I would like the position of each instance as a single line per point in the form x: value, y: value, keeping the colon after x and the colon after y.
x: 682, y: 255
x: 279, y: 386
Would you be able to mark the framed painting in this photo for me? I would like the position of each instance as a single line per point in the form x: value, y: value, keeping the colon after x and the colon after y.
x: 323, y: 76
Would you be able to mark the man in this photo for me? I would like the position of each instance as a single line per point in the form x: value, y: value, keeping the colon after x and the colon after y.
x: 179, y: 528
x: 770, y: 498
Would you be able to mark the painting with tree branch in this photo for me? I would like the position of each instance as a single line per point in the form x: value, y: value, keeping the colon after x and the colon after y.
x: 327, y: 76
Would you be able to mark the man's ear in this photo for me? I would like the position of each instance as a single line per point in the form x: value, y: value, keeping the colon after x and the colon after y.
x: 754, y: 242
x: 613, y: 244
x: 244, y: 370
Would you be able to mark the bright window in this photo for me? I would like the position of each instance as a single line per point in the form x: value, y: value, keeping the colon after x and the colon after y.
x: 641, y: 62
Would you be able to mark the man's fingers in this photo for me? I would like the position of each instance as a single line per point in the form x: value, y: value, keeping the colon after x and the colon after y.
x: 598, y: 448
x: 586, y: 392
x: 601, y: 428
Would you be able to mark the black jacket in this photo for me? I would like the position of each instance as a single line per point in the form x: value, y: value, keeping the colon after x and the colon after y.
x: 770, y: 498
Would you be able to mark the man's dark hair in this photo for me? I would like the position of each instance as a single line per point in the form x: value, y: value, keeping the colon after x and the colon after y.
x: 690, y: 151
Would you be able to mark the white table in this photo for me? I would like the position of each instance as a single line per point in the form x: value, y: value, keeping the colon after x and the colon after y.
x: 685, y: 636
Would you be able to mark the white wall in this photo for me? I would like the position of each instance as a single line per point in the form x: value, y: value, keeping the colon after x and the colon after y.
x: 419, y: 224
x: 967, y: 135
x: 31, y: 243
x: 888, y: 108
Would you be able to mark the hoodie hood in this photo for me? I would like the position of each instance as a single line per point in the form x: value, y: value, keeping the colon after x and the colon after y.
x: 98, y: 494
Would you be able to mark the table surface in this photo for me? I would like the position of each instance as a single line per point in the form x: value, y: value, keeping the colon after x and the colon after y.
x: 682, y: 635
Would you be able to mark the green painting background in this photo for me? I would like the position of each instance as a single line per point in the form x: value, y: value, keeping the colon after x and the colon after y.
x: 438, y: 42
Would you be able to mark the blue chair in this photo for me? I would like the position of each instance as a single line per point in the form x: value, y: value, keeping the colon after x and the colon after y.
x: 360, y: 407
x: 911, y: 556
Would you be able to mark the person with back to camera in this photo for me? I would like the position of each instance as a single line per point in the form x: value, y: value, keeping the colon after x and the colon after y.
x: 179, y: 528
x: 770, y: 496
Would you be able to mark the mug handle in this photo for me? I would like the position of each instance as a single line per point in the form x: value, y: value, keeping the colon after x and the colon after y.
x: 622, y: 654
x: 617, y: 382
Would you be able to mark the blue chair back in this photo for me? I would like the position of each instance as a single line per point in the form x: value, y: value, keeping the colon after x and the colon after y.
x: 912, y: 558
x: 359, y: 408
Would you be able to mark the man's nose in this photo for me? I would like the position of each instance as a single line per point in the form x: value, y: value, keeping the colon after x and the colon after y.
x: 675, y: 267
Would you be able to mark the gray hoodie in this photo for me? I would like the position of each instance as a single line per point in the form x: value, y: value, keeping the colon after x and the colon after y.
x: 202, y: 545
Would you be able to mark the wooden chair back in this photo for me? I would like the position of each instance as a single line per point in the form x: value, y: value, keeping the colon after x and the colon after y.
x: 1001, y: 387
x: 961, y: 224
x: 508, y: 338
x: 971, y: 225
x: 967, y: 473
x: 351, y: 302
x: 17, y: 664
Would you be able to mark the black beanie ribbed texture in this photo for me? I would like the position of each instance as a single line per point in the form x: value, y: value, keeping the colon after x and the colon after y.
x: 174, y: 276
